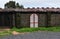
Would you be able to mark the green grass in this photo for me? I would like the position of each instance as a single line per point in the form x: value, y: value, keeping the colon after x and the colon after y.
x: 53, y: 29
x: 5, y: 33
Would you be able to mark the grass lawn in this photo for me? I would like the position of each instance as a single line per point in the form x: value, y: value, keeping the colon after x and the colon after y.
x: 55, y: 29
x: 21, y: 30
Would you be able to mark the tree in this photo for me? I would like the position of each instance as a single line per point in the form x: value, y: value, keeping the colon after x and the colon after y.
x: 10, y: 4
x: 19, y: 6
x: 13, y: 4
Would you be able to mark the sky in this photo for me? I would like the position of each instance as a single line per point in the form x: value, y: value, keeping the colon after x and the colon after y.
x: 34, y: 3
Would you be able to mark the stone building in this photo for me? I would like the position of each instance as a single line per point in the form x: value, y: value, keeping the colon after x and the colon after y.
x: 30, y: 17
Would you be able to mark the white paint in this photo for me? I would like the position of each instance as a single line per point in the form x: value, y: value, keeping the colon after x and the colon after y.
x: 33, y: 20
x: 36, y: 20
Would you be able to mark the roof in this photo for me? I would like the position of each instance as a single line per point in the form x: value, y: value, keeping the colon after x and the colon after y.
x: 42, y: 9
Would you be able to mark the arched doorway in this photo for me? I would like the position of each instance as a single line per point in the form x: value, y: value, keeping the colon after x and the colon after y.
x: 34, y: 20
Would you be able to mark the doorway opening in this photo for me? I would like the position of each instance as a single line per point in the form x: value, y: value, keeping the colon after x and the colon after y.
x: 34, y: 20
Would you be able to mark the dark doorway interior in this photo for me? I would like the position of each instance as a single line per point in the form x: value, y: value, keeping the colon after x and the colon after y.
x: 5, y: 20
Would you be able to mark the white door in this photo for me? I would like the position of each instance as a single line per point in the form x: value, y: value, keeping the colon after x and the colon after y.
x: 34, y: 20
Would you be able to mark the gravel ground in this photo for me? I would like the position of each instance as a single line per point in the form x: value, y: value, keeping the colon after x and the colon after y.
x: 34, y: 35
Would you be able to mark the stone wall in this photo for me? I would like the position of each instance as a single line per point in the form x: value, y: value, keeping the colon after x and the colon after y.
x: 55, y: 19
x: 42, y: 20
x: 23, y: 20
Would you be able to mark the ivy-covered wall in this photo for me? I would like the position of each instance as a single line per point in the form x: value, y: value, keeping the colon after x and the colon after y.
x: 55, y: 19
x: 42, y: 20
x: 23, y: 19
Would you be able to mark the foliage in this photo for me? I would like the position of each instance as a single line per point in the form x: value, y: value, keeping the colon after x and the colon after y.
x: 5, y: 33
x: 56, y: 29
x: 53, y: 29
x: 13, y: 4
x: 19, y: 6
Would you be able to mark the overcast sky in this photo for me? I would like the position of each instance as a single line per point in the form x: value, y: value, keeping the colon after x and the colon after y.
x: 34, y: 3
